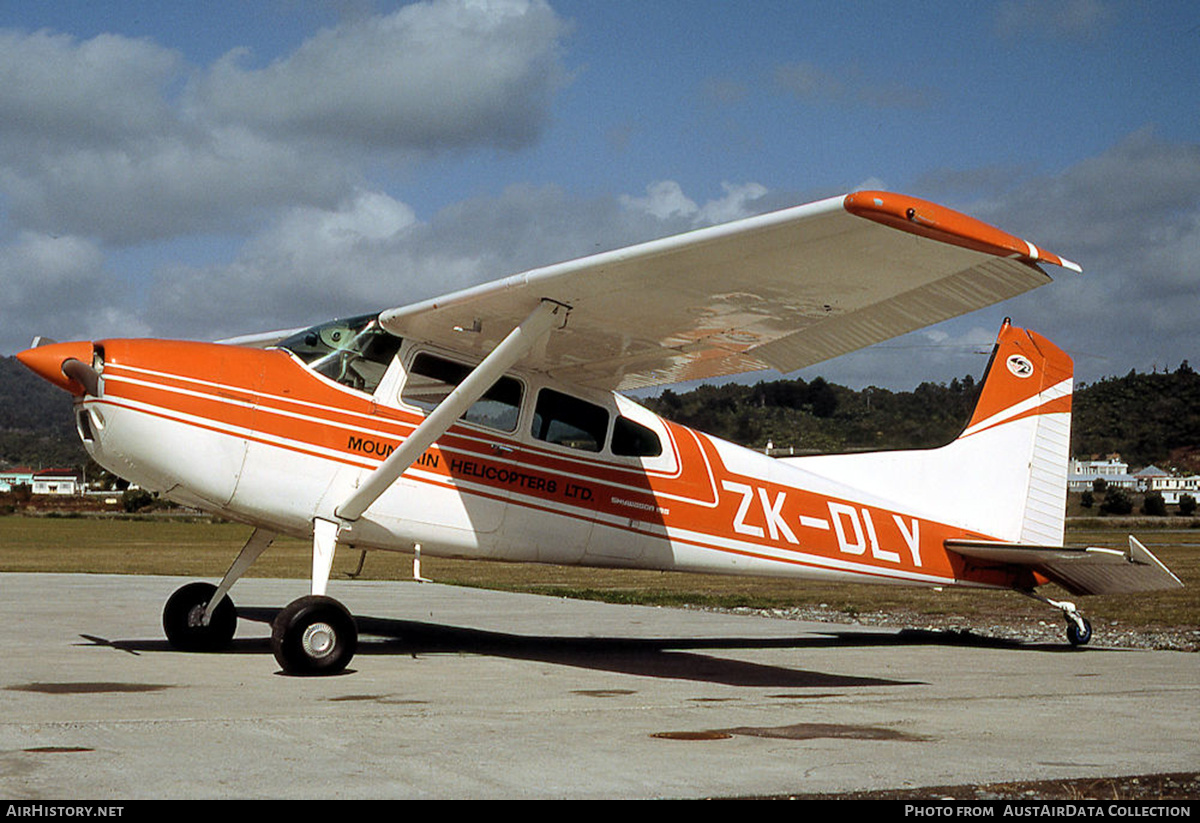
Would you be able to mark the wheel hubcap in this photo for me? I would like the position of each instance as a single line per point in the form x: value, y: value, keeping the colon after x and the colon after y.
x: 318, y: 640
x: 195, y: 617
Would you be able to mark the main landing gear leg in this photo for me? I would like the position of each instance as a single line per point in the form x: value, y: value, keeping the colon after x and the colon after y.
x: 316, y: 634
x: 1079, y: 628
x: 199, y: 616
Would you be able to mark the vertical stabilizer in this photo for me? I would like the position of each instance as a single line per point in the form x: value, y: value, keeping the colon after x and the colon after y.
x: 1005, y: 476
x: 1027, y: 389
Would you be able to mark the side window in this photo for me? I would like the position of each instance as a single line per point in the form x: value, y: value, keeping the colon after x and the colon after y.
x: 632, y: 439
x: 568, y: 421
x: 431, y: 378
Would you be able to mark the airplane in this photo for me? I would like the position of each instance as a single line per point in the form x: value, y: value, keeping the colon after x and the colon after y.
x: 492, y: 423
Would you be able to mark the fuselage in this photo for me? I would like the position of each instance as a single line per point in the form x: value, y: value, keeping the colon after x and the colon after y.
x: 544, y: 473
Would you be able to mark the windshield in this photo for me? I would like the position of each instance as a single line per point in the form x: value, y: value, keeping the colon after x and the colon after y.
x: 354, y: 351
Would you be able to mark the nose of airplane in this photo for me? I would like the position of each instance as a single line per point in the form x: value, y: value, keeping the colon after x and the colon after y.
x: 66, y: 365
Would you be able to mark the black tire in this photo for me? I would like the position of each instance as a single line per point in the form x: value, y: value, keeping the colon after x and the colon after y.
x: 181, y: 620
x: 314, y: 635
x: 1077, y: 635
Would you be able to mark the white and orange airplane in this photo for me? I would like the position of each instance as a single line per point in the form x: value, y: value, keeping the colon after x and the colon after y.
x: 488, y: 424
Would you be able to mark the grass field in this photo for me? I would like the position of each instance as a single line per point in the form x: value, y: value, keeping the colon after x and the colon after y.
x: 204, y: 549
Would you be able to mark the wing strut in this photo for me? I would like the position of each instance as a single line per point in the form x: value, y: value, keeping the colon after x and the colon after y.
x: 520, y: 340
x: 547, y: 316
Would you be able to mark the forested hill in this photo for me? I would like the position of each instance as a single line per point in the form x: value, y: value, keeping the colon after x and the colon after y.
x: 1146, y: 418
x: 818, y: 416
x: 36, y: 425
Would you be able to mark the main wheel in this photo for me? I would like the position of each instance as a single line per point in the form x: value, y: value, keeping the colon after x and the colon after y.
x: 1079, y: 633
x: 183, y: 615
x: 314, y: 635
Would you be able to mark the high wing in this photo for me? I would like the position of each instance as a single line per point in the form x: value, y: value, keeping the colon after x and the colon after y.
x: 782, y: 290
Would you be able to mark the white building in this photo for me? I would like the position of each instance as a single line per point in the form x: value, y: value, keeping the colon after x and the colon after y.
x: 20, y: 476
x: 1170, y: 486
x: 1114, y: 471
x: 56, y: 481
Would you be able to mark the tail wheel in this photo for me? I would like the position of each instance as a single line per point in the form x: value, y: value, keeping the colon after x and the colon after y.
x: 314, y: 635
x: 183, y: 619
x: 1079, y: 630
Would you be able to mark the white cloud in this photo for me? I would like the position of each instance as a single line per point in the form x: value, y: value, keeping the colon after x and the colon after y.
x: 113, y: 143
x: 166, y: 186
x: 368, y: 216
x: 736, y: 204
x: 47, y: 261
x: 310, y: 263
x: 56, y: 287
x: 665, y: 200
x: 428, y: 77
x: 871, y: 184
x: 117, y: 139
x: 1131, y: 217
x: 58, y: 91
x: 372, y: 252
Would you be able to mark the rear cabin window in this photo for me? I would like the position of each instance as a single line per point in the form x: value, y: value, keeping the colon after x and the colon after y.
x: 432, y: 378
x: 568, y: 421
x: 632, y: 439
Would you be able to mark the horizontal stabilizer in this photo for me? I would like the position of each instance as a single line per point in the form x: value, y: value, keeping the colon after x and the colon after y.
x: 1090, y: 570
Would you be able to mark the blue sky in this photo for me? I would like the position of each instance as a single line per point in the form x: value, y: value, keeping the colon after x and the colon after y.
x: 210, y: 169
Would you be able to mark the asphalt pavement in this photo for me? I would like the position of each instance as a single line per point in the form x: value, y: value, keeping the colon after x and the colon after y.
x: 462, y: 693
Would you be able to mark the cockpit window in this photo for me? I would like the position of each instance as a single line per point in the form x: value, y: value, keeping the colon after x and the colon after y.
x: 355, y: 351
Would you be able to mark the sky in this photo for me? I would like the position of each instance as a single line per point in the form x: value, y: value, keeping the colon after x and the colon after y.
x: 210, y: 169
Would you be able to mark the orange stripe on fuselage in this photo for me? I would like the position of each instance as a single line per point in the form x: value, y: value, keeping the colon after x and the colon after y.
x: 268, y: 397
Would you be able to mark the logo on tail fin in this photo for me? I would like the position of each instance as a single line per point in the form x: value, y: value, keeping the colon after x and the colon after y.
x: 1020, y: 366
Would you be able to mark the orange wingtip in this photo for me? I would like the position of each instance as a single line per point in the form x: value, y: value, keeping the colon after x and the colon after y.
x: 927, y: 219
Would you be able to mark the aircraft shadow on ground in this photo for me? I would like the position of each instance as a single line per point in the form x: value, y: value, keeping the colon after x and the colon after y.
x: 661, y: 657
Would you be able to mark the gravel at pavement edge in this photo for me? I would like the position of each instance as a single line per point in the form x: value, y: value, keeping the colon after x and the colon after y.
x: 958, y: 629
